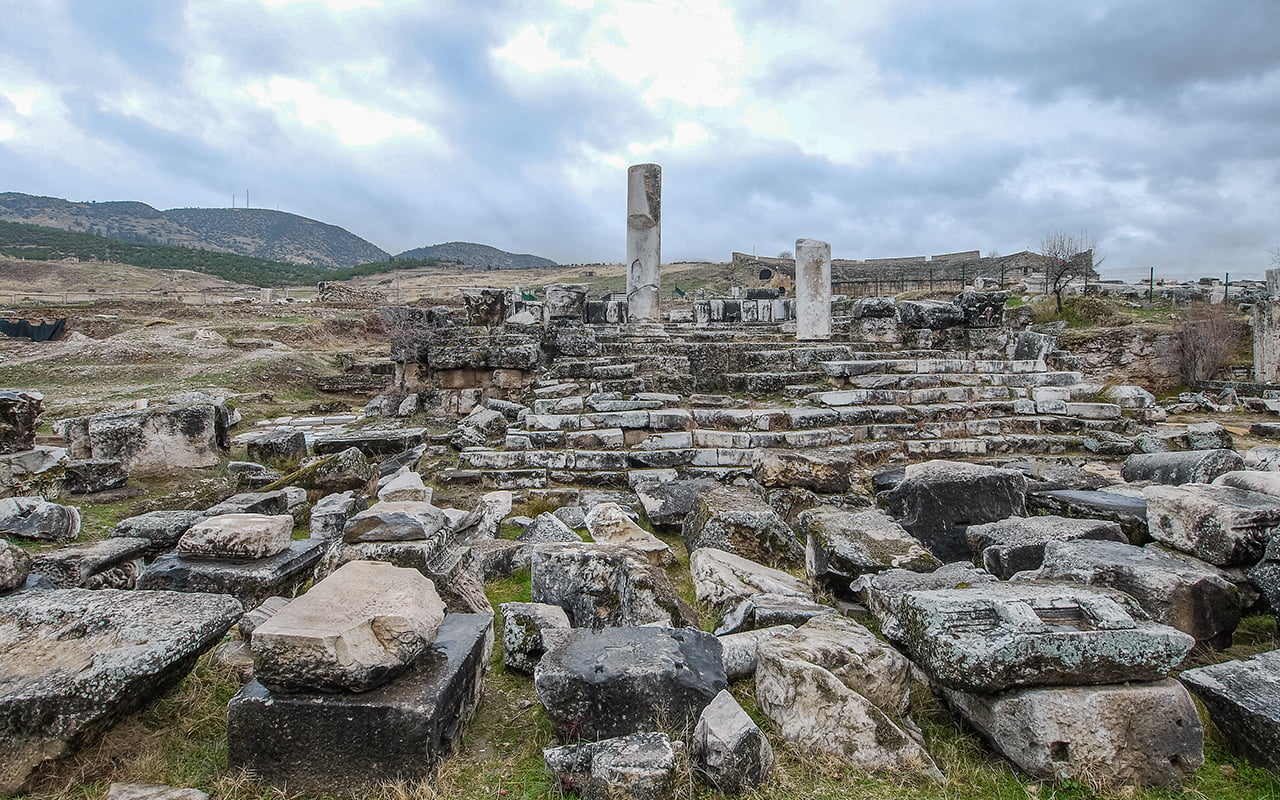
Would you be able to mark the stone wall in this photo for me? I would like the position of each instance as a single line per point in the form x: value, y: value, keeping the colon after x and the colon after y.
x: 1134, y: 354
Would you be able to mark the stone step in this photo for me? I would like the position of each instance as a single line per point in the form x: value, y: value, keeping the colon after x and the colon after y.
x: 929, y: 365
x: 942, y: 394
x: 769, y: 382
x: 938, y: 379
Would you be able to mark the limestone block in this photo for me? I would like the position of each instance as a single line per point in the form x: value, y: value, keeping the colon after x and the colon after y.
x: 1017, y: 544
x: 269, y: 503
x: 152, y: 791
x: 407, y: 487
x: 284, y: 448
x: 813, y: 290
x: 640, y: 766
x: 667, y: 503
x: 841, y: 545
x: 1243, y: 700
x: 1179, y: 467
x: 1251, y: 481
x: 15, y: 565
x: 162, y: 529
x: 92, y: 475
x: 606, y: 585
x: 832, y: 687
x: 20, y: 411
x: 740, y: 522
x: 237, y: 536
x: 455, y: 570
x: 37, y: 518
x: 153, y: 441
x: 728, y: 749
x: 547, y: 528
x: 1209, y: 436
x: 250, y: 582
x: 395, y: 522
x: 346, y: 470
x: 1136, y: 734
x: 1129, y: 512
x: 768, y: 610
x: 930, y: 314
x: 522, y: 626
x: 112, y: 563
x: 815, y: 470
x: 306, y: 742
x: 330, y: 514
x: 1181, y: 592
x: 77, y: 661
x: 999, y: 636
x: 607, y: 523
x: 721, y: 578
x: 618, y: 681
x: 937, y: 500
x: 371, y: 442
x: 739, y: 650
x: 1220, y: 524
x: 1266, y: 575
x: 355, y: 630
x: 483, y: 520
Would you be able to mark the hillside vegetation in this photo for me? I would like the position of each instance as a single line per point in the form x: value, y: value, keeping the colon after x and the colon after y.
x: 478, y: 255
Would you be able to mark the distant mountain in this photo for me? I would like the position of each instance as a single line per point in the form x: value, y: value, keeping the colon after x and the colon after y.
x: 478, y: 255
x: 257, y: 232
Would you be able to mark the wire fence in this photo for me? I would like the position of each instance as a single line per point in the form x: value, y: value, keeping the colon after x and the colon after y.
x: 215, y: 296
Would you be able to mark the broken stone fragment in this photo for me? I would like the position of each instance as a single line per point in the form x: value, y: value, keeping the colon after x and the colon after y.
x: 15, y: 565
x: 1220, y: 524
x: 728, y: 749
x: 522, y: 626
x: 617, y: 681
x: 237, y: 536
x: 91, y: 475
x: 37, y: 518
x: 484, y: 519
x: 767, y: 611
x: 602, y: 585
x: 607, y: 523
x: 740, y: 522
x: 546, y: 528
x: 841, y: 545
x: 112, y: 563
x: 152, y: 791
x: 721, y: 578
x: 353, y: 631
x: 1017, y: 544
x: 20, y: 411
x: 330, y: 514
x: 1243, y: 700
x: 640, y: 766
x: 284, y: 449
x: 882, y: 592
x: 395, y: 522
x: 1133, y: 734
x: 406, y: 487
x: 1176, y: 468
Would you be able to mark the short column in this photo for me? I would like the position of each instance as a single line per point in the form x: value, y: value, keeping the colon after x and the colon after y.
x: 644, y: 242
x: 813, y: 290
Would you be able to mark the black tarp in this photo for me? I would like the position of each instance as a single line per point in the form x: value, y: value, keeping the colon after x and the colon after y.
x: 41, y: 331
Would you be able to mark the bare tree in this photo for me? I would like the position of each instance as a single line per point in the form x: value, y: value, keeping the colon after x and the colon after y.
x: 786, y: 254
x: 1207, y: 339
x: 1275, y: 257
x: 1066, y: 257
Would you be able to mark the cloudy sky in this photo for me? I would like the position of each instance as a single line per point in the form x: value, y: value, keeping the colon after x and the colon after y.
x: 887, y: 127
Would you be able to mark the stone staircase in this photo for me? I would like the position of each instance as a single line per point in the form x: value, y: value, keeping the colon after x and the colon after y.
x: 665, y: 407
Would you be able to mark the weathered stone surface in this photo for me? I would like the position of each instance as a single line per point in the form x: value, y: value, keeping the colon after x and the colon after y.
x: 372, y: 443
x: 345, y: 470
x: 982, y: 309
x: 153, y: 441
x: 1179, y: 591
x: 522, y: 626
x: 998, y: 636
x: 482, y: 521
x: 841, y: 545
x: 1129, y: 512
x: 721, y: 578
x: 606, y: 585
x: 1243, y: 700
x: 395, y: 522
x: 270, y: 503
x: 667, y: 503
x: 500, y: 558
x: 163, y: 529
x: 1174, y: 468
x: 480, y: 426
x: 767, y: 611
x: 617, y: 681
x: 32, y: 472
x: 37, y: 518
x: 305, y: 742
x: 1251, y: 481
x: 330, y: 514
x: 1209, y: 436
x: 546, y: 528
x: 284, y: 448
x: 814, y: 470
x: 256, y: 616
x: 92, y: 475
x: 15, y: 565
x: 76, y: 661
x: 937, y: 500
x: 237, y: 536
x: 740, y: 522
x: 1136, y: 734
x: 728, y: 749
x: 1265, y: 575
x: 112, y: 563
x: 355, y: 630
x: 152, y: 791
x: 931, y: 314
x: 739, y: 650
x: 882, y: 593
x: 453, y: 568
x: 833, y: 687
x: 407, y: 487
x: 1220, y: 524
x: 641, y: 766
x: 20, y: 411
x: 607, y: 523
x: 1017, y: 544
x: 250, y: 582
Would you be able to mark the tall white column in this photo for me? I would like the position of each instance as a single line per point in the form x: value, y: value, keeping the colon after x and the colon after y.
x: 644, y: 242
x: 813, y: 290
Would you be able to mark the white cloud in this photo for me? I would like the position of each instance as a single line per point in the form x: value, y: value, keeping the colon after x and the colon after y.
x: 353, y: 124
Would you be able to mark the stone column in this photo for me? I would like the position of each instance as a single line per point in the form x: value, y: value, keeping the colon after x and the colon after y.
x: 813, y: 290
x: 1266, y: 332
x: 644, y: 242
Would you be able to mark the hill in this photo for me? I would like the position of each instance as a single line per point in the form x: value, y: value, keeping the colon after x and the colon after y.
x: 255, y: 232
x: 35, y: 242
x: 478, y: 255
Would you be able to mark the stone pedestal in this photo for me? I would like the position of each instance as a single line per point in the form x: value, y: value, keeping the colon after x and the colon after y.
x: 644, y: 242
x: 813, y: 290
x: 348, y: 743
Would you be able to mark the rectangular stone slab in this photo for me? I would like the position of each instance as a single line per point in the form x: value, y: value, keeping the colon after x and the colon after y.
x: 1243, y: 700
x: 74, y: 661
x: 250, y: 582
x: 346, y: 744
